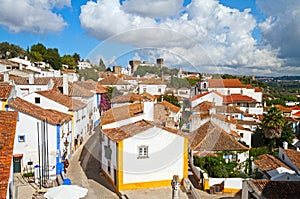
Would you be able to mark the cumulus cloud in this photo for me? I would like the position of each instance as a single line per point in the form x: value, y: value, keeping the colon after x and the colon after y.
x: 206, y: 33
x: 153, y: 8
x: 282, y: 27
x: 32, y: 15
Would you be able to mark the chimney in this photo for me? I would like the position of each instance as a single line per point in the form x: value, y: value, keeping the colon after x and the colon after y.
x: 6, y: 77
x: 65, y: 84
x: 148, y: 108
x: 31, y: 79
x: 285, y: 145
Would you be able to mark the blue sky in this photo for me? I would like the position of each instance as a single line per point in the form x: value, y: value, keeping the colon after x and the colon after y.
x: 235, y: 36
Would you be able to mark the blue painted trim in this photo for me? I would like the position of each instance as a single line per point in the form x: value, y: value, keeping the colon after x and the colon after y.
x: 97, y: 122
x: 98, y: 99
x: 58, y: 170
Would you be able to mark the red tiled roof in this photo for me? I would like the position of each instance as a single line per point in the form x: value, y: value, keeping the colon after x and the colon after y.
x: 62, y: 99
x: 256, y: 89
x: 51, y: 116
x: 121, y: 113
x: 199, y: 96
x: 294, y: 156
x: 170, y: 106
x: 268, y: 162
x: 247, y: 122
x: 126, y: 131
x: 203, y: 106
x: 228, y: 109
x: 225, y: 118
x: 112, y: 80
x: 283, y: 108
x: 148, y: 96
x: 277, y: 189
x: 8, y: 123
x: 92, y: 86
x: 5, y: 90
x: 225, y: 83
x: 297, y: 114
x: 210, y: 137
x: 36, y: 80
x: 129, y: 97
x: 152, y: 81
x: 295, y: 108
x: 76, y: 90
x: 237, y: 98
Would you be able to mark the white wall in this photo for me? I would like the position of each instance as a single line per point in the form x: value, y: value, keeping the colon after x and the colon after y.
x: 152, y: 89
x: 166, y: 151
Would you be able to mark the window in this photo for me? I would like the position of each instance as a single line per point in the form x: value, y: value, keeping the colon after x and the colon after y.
x: 21, y: 138
x: 37, y: 100
x: 108, y: 167
x: 241, y: 92
x: 38, y: 89
x: 144, y: 89
x: 143, y: 152
x: 242, y: 135
x: 159, y: 90
x: 228, y: 92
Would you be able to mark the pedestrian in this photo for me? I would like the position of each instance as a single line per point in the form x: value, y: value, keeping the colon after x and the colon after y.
x: 75, y: 143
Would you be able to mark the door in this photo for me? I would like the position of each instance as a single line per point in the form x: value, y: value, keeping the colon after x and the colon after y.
x: 17, y: 165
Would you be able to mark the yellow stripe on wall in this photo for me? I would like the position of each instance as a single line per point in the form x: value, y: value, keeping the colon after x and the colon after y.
x: 185, y: 158
x: 120, y: 165
x: 143, y: 185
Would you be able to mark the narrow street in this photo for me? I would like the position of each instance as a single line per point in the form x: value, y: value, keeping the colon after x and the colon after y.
x: 84, y: 170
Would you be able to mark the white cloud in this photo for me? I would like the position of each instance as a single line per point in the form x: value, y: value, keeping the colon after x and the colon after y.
x: 208, y: 33
x: 32, y: 15
x: 153, y: 8
x: 282, y: 28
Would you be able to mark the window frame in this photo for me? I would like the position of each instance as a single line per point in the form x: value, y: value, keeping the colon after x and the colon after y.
x: 21, y: 140
x: 143, y: 151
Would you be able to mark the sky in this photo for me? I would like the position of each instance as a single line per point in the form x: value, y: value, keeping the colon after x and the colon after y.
x: 259, y: 37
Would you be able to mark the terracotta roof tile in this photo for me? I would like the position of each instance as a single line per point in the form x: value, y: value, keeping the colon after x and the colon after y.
x: 92, y: 86
x: 224, y: 118
x: 203, y: 107
x: 297, y: 114
x: 247, y: 122
x: 8, y: 122
x: 294, y: 156
x: 129, y: 97
x: 152, y: 81
x: 268, y: 162
x: 225, y: 83
x: 5, y: 90
x: 76, y: 90
x: 112, y: 80
x: 126, y: 131
x: 256, y: 89
x: 170, y: 106
x: 121, y: 113
x: 277, y: 189
x: 283, y: 108
x: 210, y: 137
x: 37, y: 80
x: 148, y: 96
x: 199, y: 96
x: 237, y: 98
x: 51, y: 116
x: 228, y: 109
x: 295, y: 108
x: 62, y: 99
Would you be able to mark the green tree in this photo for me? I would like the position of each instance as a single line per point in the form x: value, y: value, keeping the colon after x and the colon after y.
x: 35, y: 56
x: 170, y: 98
x: 8, y: 50
x: 76, y: 56
x: 102, y: 66
x: 40, y: 48
x: 272, y: 123
x: 53, y: 58
x: 68, y: 60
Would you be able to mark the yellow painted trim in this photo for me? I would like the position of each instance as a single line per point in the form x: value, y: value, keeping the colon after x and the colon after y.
x: 185, y: 158
x: 120, y: 166
x: 206, y: 184
x: 144, y: 185
x: 4, y: 103
x: 231, y: 190
x: 73, y: 130
x: 108, y: 177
